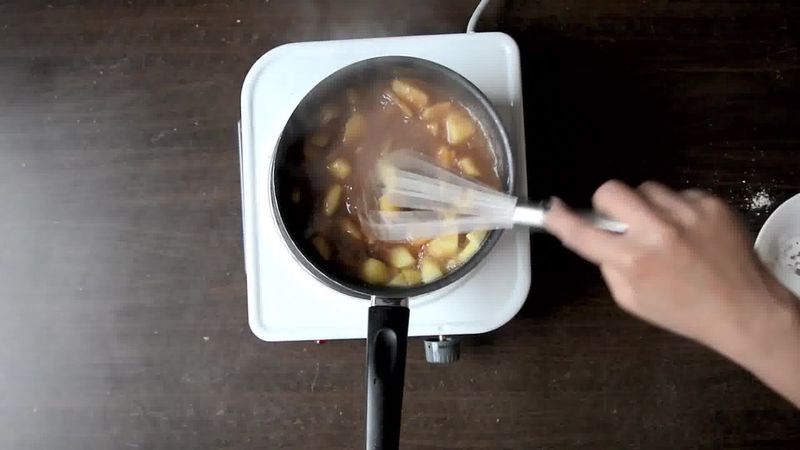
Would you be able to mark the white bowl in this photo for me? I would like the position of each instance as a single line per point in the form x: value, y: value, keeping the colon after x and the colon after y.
x: 779, y: 240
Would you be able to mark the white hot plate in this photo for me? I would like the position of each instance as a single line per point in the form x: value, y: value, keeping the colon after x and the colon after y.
x: 285, y: 303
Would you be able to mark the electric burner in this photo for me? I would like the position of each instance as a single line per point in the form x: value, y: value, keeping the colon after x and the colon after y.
x: 285, y: 303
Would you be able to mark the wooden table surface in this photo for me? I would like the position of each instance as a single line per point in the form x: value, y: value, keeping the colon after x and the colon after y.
x: 122, y: 292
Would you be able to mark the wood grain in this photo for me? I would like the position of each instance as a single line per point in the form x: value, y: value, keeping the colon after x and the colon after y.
x: 122, y: 293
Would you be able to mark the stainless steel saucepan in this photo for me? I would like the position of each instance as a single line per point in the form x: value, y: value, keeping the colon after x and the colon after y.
x: 388, y: 314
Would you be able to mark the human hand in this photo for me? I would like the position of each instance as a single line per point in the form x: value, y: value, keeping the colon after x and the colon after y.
x: 687, y: 264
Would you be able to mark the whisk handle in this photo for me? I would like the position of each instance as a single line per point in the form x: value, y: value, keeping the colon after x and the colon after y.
x: 534, y: 215
x: 531, y: 215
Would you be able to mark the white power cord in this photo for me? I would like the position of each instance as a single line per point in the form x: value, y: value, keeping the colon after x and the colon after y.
x: 476, y: 15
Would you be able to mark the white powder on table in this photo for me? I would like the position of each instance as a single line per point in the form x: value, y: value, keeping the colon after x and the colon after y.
x: 760, y: 200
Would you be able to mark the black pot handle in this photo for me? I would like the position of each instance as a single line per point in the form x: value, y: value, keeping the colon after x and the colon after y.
x: 387, y: 336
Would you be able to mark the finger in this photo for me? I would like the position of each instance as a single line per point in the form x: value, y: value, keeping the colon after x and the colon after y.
x: 694, y: 194
x: 668, y: 202
x: 619, y: 286
x: 621, y: 202
x: 580, y: 236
